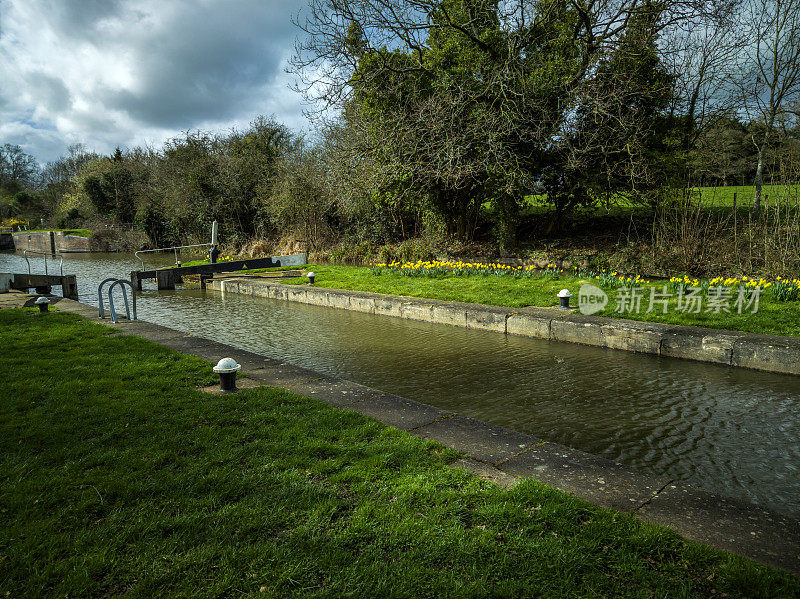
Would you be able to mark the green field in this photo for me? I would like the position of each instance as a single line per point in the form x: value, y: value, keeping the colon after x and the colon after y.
x: 723, y: 196
x: 711, y: 197
x: 119, y: 477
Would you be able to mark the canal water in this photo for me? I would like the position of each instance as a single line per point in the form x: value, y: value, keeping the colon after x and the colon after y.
x: 729, y: 430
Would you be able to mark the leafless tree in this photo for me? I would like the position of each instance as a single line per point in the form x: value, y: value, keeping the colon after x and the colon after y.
x: 701, y: 53
x: 770, y: 65
x: 65, y: 167
x: 17, y: 168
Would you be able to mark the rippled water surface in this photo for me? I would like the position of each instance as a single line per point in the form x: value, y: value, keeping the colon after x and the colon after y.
x: 730, y: 430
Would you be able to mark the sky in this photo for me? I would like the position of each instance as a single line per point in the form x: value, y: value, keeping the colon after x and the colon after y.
x: 110, y: 73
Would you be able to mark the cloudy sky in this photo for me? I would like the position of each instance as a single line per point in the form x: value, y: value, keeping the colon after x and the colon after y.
x: 129, y: 72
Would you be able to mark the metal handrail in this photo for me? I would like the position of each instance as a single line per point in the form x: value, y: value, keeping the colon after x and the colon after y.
x: 100, y: 295
x: 175, y: 248
x: 46, y: 255
x: 122, y: 283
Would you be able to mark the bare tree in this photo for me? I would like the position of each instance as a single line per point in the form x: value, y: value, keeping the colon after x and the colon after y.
x: 65, y: 167
x: 17, y: 169
x: 770, y: 65
x: 701, y: 53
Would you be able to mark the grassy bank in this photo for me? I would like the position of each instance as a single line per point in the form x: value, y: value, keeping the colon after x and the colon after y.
x: 773, y: 316
x: 120, y: 477
x: 76, y: 232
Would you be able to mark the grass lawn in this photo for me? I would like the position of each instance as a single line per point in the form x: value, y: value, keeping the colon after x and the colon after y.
x: 119, y: 477
x: 723, y: 196
x: 77, y: 232
x: 773, y: 317
x: 711, y: 197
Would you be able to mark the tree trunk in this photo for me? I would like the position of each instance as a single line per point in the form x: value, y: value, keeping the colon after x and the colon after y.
x: 508, y: 209
x: 759, y: 180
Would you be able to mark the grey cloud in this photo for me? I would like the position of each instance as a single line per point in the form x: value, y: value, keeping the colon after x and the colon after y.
x: 51, y: 92
x: 75, y: 18
x: 208, y: 68
x: 100, y: 124
x: 161, y: 66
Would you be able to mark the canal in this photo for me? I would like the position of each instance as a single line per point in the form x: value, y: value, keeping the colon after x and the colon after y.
x: 729, y: 430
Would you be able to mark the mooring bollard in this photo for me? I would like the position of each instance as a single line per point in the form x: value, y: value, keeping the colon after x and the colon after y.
x: 564, y: 296
x: 311, y: 276
x: 227, y: 368
x: 43, y: 304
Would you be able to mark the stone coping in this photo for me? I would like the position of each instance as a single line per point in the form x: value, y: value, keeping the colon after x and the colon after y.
x: 504, y: 456
x: 771, y: 353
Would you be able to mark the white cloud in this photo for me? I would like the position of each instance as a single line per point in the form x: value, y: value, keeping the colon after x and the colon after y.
x: 129, y: 72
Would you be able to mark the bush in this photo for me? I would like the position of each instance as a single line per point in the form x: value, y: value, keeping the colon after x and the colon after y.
x: 152, y: 221
x: 387, y: 254
x: 257, y: 248
x: 73, y: 220
x: 105, y: 240
x: 352, y: 253
x: 412, y: 250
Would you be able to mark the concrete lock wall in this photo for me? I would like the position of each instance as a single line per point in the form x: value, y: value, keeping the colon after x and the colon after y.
x: 771, y: 353
x: 36, y: 241
x: 70, y: 243
x: 49, y: 242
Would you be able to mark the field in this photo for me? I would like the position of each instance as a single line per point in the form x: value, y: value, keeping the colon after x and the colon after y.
x: 710, y: 197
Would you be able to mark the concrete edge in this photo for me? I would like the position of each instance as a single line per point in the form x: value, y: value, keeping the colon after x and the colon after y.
x: 504, y: 456
x: 769, y: 353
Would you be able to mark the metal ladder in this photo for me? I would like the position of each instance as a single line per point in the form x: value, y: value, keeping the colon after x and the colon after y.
x: 114, y: 282
x: 46, y: 255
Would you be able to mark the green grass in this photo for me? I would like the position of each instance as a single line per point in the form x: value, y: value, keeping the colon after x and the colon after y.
x: 712, y: 197
x: 119, y: 477
x: 497, y: 291
x: 197, y: 262
x: 723, y: 196
x: 77, y: 232
x: 774, y: 317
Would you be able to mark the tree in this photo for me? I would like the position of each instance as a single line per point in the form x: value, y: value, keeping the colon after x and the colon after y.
x: 18, y: 170
x: 300, y: 201
x: 57, y: 176
x: 203, y: 177
x: 723, y: 153
x: 468, y: 101
x: 18, y: 175
x: 248, y: 170
x: 119, y: 186
x: 622, y: 139
x: 770, y: 64
x: 700, y: 53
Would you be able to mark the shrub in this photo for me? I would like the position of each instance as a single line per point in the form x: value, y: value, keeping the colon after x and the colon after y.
x: 412, y: 250
x: 352, y: 253
x: 105, y: 240
x: 387, y: 254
